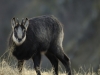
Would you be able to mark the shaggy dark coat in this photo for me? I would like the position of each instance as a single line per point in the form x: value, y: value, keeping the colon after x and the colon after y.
x: 44, y: 34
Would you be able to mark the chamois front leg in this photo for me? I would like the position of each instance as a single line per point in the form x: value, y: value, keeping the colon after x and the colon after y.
x: 20, y: 65
x: 37, y: 61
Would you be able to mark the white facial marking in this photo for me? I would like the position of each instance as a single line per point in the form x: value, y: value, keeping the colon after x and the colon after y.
x: 19, y: 32
x: 16, y: 40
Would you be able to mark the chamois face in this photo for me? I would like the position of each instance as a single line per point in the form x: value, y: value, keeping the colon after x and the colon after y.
x: 19, y: 30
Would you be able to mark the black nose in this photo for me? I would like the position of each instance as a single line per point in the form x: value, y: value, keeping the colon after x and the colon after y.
x: 19, y: 40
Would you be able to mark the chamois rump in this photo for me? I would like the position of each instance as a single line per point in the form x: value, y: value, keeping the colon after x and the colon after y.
x: 31, y: 37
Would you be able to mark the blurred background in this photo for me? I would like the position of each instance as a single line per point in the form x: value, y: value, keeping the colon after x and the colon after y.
x: 81, y: 20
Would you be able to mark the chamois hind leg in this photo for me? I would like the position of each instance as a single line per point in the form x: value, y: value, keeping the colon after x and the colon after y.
x: 54, y: 62
x: 58, y: 52
x: 37, y: 61
x: 20, y: 65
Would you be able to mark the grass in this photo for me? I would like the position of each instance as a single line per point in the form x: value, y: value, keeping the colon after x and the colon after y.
x: 6, y: 69
x: 11, y: 69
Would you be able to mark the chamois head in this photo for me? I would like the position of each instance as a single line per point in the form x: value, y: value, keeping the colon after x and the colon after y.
x: 19, y: 30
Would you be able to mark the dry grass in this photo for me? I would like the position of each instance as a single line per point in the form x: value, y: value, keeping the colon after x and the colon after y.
x: 6, y: 69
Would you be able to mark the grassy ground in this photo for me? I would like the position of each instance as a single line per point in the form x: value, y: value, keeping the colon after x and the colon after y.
x: 6, y: 69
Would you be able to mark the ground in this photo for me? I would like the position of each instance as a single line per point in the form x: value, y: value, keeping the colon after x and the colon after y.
x: 5, y: 69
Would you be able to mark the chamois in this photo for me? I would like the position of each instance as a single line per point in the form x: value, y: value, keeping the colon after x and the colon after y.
x: 31, y: 37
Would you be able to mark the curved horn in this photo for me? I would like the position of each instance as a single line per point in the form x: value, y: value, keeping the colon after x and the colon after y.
x: 13, y: 18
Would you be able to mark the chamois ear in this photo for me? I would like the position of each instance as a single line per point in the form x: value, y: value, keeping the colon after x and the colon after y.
x: 17, y: 21
x: 23, y: 21
x: 26, y: 24
x: 13, y: 23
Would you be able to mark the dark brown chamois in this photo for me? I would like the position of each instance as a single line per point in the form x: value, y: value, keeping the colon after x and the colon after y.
x: 33, y: 36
